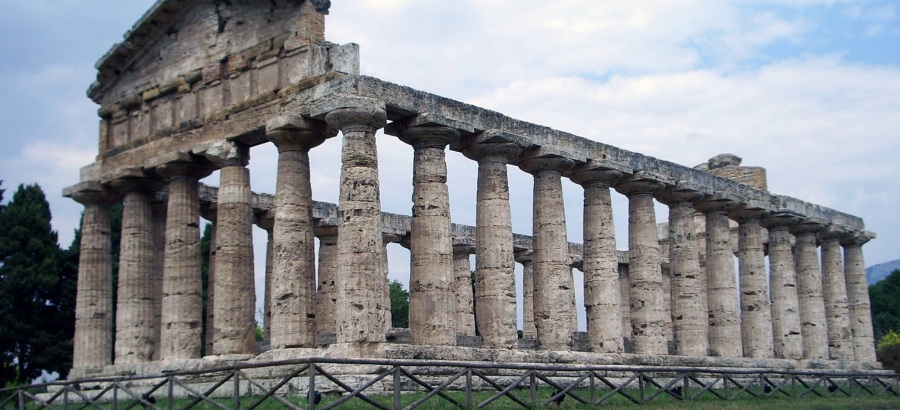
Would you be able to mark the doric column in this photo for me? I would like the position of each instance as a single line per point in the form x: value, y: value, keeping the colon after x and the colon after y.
x: 625, y: 308
x: 235, y: 331
x: 495, y: 281
x: 266, y: 221
x: 834, y: 292
x: 648, y: 322
x: 135, y: 327
x: 756, y: 314
x: 526, y: 258
x: 857, y: 295
x: 689, y: 307
x: 554, y: 288
x: 93, y: 343
x: 809, y: 290
x: 787, y: 341
x: 360, y: 280
x: 462, y: 272
x: 326, y: 297
x: 182, y: 307
x: 294, y: 265
x: 159, y: 208
x: 432, y: 300
x: 385, y: 303
x: 722, y: 295
x: 209, y: 212
x: 602, y: 300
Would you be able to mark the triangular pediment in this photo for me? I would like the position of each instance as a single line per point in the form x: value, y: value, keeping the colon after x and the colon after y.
x: 178, y: 38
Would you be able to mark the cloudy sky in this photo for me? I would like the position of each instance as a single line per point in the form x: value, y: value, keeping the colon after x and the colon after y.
x: 808, y: 89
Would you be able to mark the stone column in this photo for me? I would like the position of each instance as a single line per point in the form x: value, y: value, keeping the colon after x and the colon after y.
x: 756, y: 314
x: 526, y: 258
x: 266, y: 221
x: 294, y: 272
x: 93, y: 343
x: 809, y: 290
x: 554, y: 288
x: 235, y: 325
x: 495, y: 281
x: 432, y: 300
x: 602, y: 299
x: 385, y: 303
x: 857, y: 295
x: 462, y: 271
x: 208, y: 212
x: 159, y: 207
x: 360, y: 279
x: 689, y: 307
x: 135, y: 327
x: 326, y: 297
x: 625, y: 308
x: 722, y: 296
x: 648, y: 322
x: 182, y: 306
x: 787, y: 342
x: 834, y: 292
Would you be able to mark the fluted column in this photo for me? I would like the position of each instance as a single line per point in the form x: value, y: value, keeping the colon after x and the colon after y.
x: 834, y: 292
x: 159, y: 206
x: 787, y: 341
x: 235, y: 325
x: 294, y: 272
x: 385, y: 304
x: 602, y: 298
x: 182, y: 287
x: 208, y: 211
x: 526, y: 258
x: 326, y: 297
x: 689, y: 307
x: 756, y: 314
x: 432, y: 299
x: 722, y: 296
x: 93, y: 343
x: 360, y: 280
x: 495, y: 281
x: 135, y: 327
x: 809, y: 291
x: 648, y: 322
x: 857, y: 295
x: 462, y: 272
x: 554, y: 288
x: 266, y: 221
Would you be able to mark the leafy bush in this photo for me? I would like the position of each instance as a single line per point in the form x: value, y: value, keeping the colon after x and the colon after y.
x: 888, y: 351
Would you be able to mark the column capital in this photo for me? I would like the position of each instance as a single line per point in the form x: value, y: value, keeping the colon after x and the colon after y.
x: 504, y: 152
x: 681, y: 192
x: 391, y: 237
x: 428, y: 130
x: 539, y: 164
x: 325, y: 229
x: 91, y: 193
x: 134, y: 179
x: 808, y: 225
x: 833, y: 232
x: 748, y: 211
x: 351, y: 113
x: 575, y: 261
x: 857, y: 238
x: 779, y: 219
x: 297, y: 133
x: 209, y: 210
x: 641, y: 182
x: 463, y: 249
x: 600, y: 172
x: 224, y: 153
x: 181, y: 164
x: 524, y: 255
x: 718, y: 202
x: 265, y: 219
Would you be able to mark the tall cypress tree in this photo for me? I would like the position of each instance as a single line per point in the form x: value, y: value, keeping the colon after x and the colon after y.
x: 37, y: 293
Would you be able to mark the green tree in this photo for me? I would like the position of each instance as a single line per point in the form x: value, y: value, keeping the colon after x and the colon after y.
x: 37, y: 292
x: 885, y: 299
x: 399, y: 305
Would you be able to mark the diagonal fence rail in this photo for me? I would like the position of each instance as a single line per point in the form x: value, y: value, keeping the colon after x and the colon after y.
x: 323, y: 384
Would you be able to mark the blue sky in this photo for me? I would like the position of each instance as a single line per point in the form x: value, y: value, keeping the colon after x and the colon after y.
x: 809, y: 89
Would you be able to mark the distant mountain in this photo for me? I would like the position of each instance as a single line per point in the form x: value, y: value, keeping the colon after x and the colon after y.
x: 882, y: 270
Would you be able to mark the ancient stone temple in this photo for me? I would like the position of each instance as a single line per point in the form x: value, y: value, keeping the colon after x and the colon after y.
x: 196, y: 84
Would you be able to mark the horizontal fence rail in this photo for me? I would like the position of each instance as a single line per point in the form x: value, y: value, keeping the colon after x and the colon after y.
x: 323, y: 384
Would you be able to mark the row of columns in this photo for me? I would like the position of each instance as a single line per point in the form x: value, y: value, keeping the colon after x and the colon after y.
x: 704, y: 317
